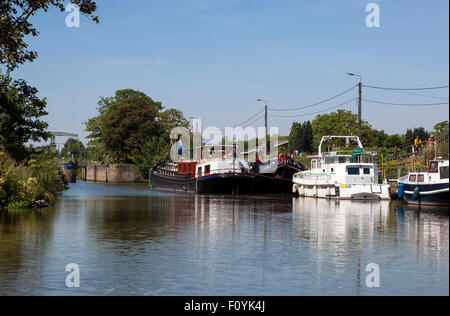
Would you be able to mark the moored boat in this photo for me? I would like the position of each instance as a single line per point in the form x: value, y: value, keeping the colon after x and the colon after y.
x: 342, y: 174
x: 426, y: 188
x: 219, y: 173
x: 275, y: 176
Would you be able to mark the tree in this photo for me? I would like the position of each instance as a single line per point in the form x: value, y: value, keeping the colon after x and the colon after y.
x: 301, y: 137
x: 308, y: 137
x: 75, y: 147
x: 342, y: 123
x: 127, y: 122
x: 95, y: 125
x: 20, y: 114
x: 153, y: 151
x: 441, y: 130
x: 129, y: 126
x: 412, y: 134
x: 172, y: 118
x: 15, y: 26
x: 294, y: 137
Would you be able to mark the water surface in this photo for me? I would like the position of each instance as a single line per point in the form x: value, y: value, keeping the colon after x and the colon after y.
x: 128, y: 240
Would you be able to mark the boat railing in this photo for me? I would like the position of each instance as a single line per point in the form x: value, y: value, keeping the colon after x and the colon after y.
x: 324, y: 178
x: 220, y: 171
x: 348, y: 153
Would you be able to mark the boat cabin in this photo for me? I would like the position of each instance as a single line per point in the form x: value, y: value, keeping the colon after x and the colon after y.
x: 438, y: 172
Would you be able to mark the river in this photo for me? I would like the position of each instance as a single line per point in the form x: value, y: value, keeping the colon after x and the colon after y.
x: 128, y: 240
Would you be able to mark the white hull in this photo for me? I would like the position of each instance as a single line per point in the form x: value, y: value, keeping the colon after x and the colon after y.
x: 344, y: 191
x: 346, y: 174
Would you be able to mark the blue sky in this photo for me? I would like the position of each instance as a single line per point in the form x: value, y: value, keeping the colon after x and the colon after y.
x: 213, y: 58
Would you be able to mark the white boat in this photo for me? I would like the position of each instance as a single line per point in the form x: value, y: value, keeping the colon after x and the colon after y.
x: 426, y: 188
x: 342, y: 174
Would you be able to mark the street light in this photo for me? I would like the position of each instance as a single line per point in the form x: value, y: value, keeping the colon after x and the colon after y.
x: 359, y: 102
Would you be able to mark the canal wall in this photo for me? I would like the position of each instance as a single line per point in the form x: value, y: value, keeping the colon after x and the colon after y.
x: 70, y: 173
x: 112, y: 173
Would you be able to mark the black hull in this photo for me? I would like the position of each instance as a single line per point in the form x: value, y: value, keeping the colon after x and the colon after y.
x: 279, y: 182
x: 169, y: 183
x: 265, y: 184
x: 231, y: 183
x: 438, y: 199
x: 227, y: 183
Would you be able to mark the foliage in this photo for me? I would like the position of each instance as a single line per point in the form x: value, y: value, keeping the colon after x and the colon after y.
x: 412, y: 134
x: 22, y: 185
x: 20, y: 114
x: 127, y: 124
x: 441, y: 130
x: 301, y: 137
x: 75, y: 147
x: 15, y: 26
x: 154, y: 151
x: 344, y: 122
x: 127, y: 127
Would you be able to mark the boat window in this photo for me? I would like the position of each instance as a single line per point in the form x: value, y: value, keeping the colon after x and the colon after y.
x: 366, y: 170
x: 421, y: 178
x: 199, y: 172
x: 444, y: 172
x: 434, y: 167
x: 413, y: 178
x: 342, y: 159
x: 353, y: 171
x: 207, y: 170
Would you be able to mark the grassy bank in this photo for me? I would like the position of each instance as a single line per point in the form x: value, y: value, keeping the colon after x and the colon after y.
x: 32, y: 183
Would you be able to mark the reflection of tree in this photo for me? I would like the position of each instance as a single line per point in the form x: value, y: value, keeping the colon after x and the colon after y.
x: 24, y: 238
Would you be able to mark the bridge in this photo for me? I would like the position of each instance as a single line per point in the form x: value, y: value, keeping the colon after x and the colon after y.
x: 62, y: 134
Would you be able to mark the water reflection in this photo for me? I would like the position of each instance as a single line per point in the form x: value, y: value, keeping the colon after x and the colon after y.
x: 132, y: 241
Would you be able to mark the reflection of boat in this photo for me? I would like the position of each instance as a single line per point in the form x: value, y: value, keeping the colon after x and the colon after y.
x: 345, y: 174
x: 427, y: 188
x: 219, y: 173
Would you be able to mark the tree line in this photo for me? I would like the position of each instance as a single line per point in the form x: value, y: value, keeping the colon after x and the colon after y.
x: 305, y: 137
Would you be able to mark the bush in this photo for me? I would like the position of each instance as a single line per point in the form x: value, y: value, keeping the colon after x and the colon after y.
x: 22, y: 185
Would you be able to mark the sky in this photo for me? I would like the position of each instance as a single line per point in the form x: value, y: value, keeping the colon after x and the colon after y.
x: 212, y: 59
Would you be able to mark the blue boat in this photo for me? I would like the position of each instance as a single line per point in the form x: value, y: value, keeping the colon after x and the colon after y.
x: 426, y: 188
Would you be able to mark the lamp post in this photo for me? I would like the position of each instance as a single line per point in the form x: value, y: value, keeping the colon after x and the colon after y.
x: 266, y: 124
x: 359, y: 102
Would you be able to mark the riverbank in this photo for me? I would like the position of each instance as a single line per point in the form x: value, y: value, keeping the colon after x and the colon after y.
x: 32, y: 183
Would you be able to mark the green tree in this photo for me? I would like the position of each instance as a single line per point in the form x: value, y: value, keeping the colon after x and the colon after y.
x: 20, y: 117
x: 95, y: 125
x: 129, y: 126
x: 153, y: 151
x: 172, y: 118
x: 301, y: 137
x: 75, y: 147
x: 412, y: 134
x: 294, y: 137
x: 308, y: 146
x: 342, y: 123
x: 127, y: 122
x: 440, y: 130
x: 15, y: 26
